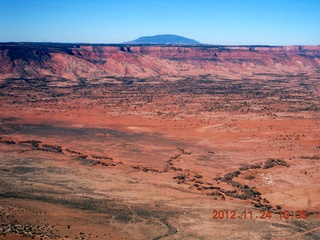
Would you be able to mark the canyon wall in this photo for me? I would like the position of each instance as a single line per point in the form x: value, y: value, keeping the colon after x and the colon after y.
x: 93, y: 62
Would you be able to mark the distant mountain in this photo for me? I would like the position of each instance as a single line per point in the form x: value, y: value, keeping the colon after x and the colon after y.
x: 166, y: 39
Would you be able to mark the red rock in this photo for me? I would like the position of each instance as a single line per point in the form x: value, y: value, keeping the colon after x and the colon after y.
x: 98, y: 61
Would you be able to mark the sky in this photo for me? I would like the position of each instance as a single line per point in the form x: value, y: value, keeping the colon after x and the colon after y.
x: 221, y: 22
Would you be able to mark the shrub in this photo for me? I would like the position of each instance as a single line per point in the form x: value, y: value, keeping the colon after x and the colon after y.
x: 249, y: 177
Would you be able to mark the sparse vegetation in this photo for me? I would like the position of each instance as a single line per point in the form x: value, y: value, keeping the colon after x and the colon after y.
x: 198, y: 134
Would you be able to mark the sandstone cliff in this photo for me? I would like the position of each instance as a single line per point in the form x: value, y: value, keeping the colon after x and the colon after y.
x: 93, y: 62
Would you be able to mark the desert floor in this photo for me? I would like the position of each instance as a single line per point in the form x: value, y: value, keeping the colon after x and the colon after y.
x: 148, y: 159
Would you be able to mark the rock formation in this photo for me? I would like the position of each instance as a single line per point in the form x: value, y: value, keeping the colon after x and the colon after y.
x: 92, y: 62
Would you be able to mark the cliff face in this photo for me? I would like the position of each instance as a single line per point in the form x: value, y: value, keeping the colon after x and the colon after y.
x: 73, y: 62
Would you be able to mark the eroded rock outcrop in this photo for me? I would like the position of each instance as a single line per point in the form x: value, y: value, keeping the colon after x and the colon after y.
x: 92, y: 62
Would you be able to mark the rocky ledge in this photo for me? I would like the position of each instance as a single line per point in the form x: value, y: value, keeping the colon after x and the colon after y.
x: 93, y: 62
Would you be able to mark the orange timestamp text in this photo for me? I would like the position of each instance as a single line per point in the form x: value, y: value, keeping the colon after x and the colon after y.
x: 233, y: 214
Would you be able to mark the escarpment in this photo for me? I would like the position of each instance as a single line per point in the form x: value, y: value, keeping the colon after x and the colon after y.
x: 92, y: 62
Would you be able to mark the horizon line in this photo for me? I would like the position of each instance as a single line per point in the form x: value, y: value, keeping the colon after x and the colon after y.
x: 155, y: 44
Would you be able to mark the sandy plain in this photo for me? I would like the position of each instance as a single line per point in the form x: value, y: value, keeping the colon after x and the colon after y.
x: 155, y: 159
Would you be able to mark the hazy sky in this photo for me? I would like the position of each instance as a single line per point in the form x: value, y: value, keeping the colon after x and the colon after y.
x: 268, y: 22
